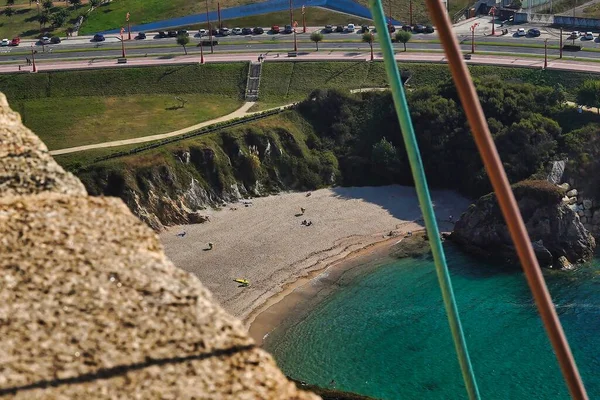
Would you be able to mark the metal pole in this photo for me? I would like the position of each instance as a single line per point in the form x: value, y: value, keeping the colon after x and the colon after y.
x: 219, y: 15
x: 472, y: 39
x: 122, y: 45
x: 371, y: 43
x: 34, y: 69
x: 129, y: 29
x: 201, y: 52
x: 545, y: 53
x: 561, y: 42
x: 390, y: 11
x: 303, y: 20
x: 410, y: 12
x: 493, y: 20
x: 212, y: 48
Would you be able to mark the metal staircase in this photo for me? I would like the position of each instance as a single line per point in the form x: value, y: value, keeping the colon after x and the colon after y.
x: 253, y: 83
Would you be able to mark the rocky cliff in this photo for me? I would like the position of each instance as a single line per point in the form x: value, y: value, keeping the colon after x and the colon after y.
x: 91, y: 308
x: 558, y: 235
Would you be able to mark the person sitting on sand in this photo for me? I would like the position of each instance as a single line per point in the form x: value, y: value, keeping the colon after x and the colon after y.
x: 332, y: 383
x: 302, y: 210
x: 309, y: 223
x: 304, y: 222
x: 182, y: 234
x: 210, y: 245
x: 409, y: 233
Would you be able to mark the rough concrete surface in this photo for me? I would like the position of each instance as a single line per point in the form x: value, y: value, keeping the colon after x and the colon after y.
x: 90, y: 307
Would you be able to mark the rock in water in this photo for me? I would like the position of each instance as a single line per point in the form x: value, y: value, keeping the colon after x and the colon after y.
x: 554, y: 227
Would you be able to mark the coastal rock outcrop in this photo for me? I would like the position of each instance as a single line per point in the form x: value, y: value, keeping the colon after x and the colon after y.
x: 91, y: 308
x: 559, y: 238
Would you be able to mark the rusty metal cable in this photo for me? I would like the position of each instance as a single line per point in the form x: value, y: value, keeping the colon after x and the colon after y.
x: 506, y: 199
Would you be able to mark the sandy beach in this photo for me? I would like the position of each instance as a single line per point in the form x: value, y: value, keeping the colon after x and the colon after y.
x: 266, y: 243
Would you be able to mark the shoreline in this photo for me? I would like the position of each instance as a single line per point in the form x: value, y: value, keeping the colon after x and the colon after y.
x: 262, y: 240
x: 270, y: 314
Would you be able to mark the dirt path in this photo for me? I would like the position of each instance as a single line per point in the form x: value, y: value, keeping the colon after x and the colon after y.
x: 240, y: 112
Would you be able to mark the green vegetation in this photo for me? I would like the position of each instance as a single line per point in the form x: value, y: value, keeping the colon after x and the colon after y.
x: 183, y: 41
x: 82, y: 107
x: 316, y: 37
x: 589, y: 94
x: 403, y: 37
x: 592, y: 11
x: 541, y: 190
x: 25, y: 21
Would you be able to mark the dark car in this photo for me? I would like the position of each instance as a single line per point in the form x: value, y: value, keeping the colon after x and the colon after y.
x: 391, y: 28
x: 246, y: 31
x: 172, y: 33
x: 407, y: 28
x: 328, y: 29
x: 288, y: 29
x: 275, y: 29
x: 258, y: 30
x: 429, y: 29
x: 215, y: 31
x: 419, y: 28
x: 224, y: 31
x: 364, y: 29
x: 183, y: 32
x: 534, y: 32
x: 55, y: 40
x: 162, y: 34
x: 98, y: 38
x: 339, y: 29
x: 141, y: 35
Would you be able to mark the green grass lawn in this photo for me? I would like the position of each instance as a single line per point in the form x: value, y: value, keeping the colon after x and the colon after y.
x: 82, y: 107
x: 67, y: 122
x: 24, y: 22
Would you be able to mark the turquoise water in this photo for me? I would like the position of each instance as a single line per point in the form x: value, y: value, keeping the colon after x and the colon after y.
x: 385, y: 333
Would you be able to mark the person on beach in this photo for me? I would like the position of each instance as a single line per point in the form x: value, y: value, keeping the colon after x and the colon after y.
x: 182, y: 234
x: 304, y: 222
x: 332, y: 383
x: 302, y: 209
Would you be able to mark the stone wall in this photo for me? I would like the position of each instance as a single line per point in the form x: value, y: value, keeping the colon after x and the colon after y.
x: 90, y: 307
x: 587, y: 209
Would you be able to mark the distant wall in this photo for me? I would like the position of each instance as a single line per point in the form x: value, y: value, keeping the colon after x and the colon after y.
x: 270, y: 6
x: 563, y: 20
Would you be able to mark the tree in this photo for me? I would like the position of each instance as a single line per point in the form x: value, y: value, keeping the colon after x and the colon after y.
x: 47, y: 4
x: 58, y: 19
x: 403, y: 37
x: 183, y: 41
x: 316, y: 37
x: 43, y: 19
x: 75, y: 3
x: 9, y: 11
x: 10, y: 2
x: 589, y: 94
x: 368, y: 38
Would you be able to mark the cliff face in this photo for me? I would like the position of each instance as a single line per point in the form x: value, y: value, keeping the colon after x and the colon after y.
x: 173, y: 185
x: 91, y: 308
x: 553, y: 226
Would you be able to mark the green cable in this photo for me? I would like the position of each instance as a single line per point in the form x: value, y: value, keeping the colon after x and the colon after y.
x: 414, y: 156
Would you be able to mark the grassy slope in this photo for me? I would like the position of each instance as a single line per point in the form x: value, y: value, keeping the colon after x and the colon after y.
x: 25, y: 24
x: 115, y: 104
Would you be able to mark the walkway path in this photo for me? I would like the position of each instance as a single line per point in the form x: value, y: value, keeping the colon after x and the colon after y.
x: 240, y: 112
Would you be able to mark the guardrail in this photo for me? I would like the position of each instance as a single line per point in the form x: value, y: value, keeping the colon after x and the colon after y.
x: 199, y: 132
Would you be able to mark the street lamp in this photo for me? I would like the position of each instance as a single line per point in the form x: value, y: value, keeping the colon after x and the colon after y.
x: 201, y: 52
x: 34, y: 69
x: 122, y: 43
x: 493, y: 20
x: 473, y: 37
x: 128, y: 26
x: 545, y: 53
x: 212, y: 48
x: 371, y: 43
x: 293, y: 25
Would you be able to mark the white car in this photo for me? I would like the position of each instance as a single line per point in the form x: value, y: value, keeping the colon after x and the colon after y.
x: 350, y: 28
x: 575, y: 34
x: 202, y: 32
x: 521, y: 32
x: 589, y: 36
x: 5, y: 42
x: 46, y: 40
x: 237, y: 31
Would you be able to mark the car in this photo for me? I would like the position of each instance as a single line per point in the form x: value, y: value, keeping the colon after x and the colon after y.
x: 288, y: 29
x: 589, y: 36
x: 339, y: 29
x: 5, y: 42
x: 236, y: 31
x: 214, y: 31
x: 162, y: 34
x: 364, y: 29
x: 141, y: 35
x: 55, y: 40
x: 246, y: 31
x: 350, y: 28
x: 224, y: 31
x: 15, y: 41
x: 45, y: 40
x: 172, y: 33
x: 202, y: 32
x: 391, y: 28
x: 419, y: 28
x: 258, y: 30
x: 575, y: 34
x: 275, y: 29
x: 534, y: 32
x: 328, y: 29
x: 407, y: 28
x: 429, y: 29
x: 521, y: 32
x: 183, y: 32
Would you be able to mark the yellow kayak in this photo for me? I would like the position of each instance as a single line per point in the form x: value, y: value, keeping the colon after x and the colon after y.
x: 245, y: 282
